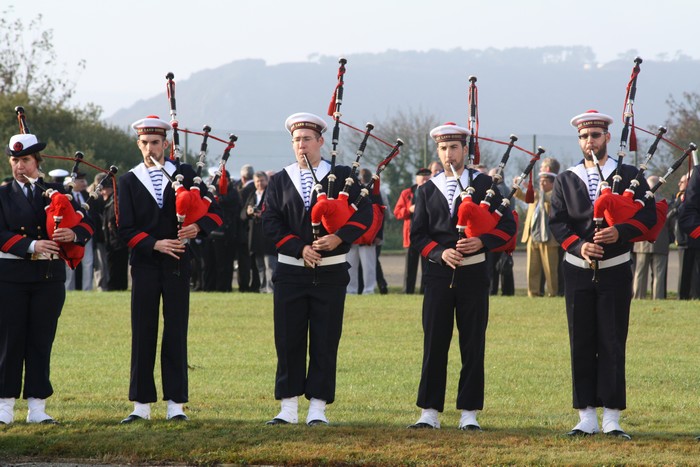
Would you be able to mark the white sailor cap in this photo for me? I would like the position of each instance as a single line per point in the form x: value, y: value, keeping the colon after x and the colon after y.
x: 450, y: 131
x: 591, y: 118
x: 305, y: 120
x: 23, y: 144
x: 151, y: 125
x: 58, y: 173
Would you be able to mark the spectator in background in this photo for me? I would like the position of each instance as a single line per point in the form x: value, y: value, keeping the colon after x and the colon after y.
x: 245, y: 187
x: 97, y: 207
x: 220, y: 245
x: 404, y: 211
x: 654, y: 256
x: 251, y: 213
x: 499, y: 264
x: 117, y: 250
x: 363, y: 256
x: 82, y: 277
x: 688, y: 277
x: 435, y: 168
x: 542, y: 247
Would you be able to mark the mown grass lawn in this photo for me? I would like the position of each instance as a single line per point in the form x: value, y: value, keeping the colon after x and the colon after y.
x: 232, y: 360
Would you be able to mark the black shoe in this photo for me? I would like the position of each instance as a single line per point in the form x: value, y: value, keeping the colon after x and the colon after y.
x: 179, y: 418
x: 576, y: 432
x: 132, y: 418
x: 383, y: 290
x: 619, y: 434
x: 421, y: 425
x: 48, y: 421
x: 317, y: 422
x: 470, y: 428
x: 277, y: 421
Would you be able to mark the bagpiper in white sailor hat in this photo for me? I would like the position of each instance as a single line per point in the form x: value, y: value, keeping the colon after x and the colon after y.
x: 450, y: 131
x: 151, y: 125
x: 24, y: 144
x: 591, y: 118
x: 305, y: 120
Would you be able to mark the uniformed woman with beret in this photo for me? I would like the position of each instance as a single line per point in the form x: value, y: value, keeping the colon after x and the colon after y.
x: 31, y: 283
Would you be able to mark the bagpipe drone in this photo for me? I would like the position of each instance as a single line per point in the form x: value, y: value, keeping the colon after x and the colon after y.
x: 474, y: 219
x: 333, y: 213
x: 193, y: 203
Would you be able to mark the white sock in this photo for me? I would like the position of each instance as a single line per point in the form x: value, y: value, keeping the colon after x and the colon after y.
x: 289, y: 410
x: 37, y: 410
x: 317, y: 410
x: 589, y: 420
x: 429, y: 416
x: 7, y: 410
x: 174, y: 409
x: 468, y: 418
x: 142, y: 410
x: 611, y: 420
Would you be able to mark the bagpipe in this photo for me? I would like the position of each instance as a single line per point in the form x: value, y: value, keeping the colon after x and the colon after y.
x: 617, y: 208
x: 193, y: 203
x: 333, y: 213
x: 60, y: 211
x: 474, y: 220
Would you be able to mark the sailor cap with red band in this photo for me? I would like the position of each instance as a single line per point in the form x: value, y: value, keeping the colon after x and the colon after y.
x: 591, y: 118
x: 305, y: 120
x: 151, y: 125
x: 23, y: 144
x: 449, y: 132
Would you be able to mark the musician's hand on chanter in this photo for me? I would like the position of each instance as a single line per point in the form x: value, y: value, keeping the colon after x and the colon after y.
x: 189, y: 231
x: 606, y: 235
x: 327, y: 243
x: 452, y: 257
x: 46, y: 247
x: 310, y: 256
x: 591, y: 251
x: 170, y: 247
x: 63, y: 235
x: 468, y: 246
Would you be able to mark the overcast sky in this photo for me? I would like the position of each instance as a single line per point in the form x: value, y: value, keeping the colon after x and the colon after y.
x: 130, y: 45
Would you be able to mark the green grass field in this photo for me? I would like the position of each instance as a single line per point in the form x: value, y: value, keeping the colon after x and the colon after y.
x: 232, y: 360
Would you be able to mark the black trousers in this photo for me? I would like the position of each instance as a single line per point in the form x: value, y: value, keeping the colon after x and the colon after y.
x: 689, y: 273
x: 28, y: 321
x: 410, y: 274
x: 468, y: 304
x: 218, y: 261
x: 147, y: 288
x: 307, y: 314
x: 598, y: 317
x: 118, y: 266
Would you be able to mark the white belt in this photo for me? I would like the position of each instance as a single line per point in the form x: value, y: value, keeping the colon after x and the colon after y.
x: 33, y: 257
x: 480, y: 258
x: 326, y: 261
x: 602, y: 264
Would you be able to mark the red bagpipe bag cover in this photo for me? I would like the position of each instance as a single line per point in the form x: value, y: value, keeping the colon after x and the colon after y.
x: 61, y: 207
x: 190, y: 205
x: 478, y: 220
x: 617, y: 209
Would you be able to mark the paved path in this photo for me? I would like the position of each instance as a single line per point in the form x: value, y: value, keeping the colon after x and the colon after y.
x: 393, y: 264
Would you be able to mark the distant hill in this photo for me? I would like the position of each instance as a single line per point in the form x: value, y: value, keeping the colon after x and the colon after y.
x: 524, y: 91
